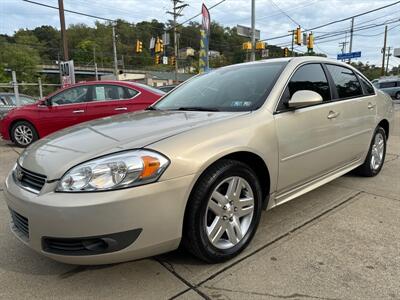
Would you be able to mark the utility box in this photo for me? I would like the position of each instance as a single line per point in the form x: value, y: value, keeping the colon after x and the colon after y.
x: 396, y: 52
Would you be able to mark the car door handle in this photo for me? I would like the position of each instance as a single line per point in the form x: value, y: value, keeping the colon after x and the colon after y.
x: 371, y: 106
x: 78, y: 111
x: 333, y: 115
x: 121, y: 108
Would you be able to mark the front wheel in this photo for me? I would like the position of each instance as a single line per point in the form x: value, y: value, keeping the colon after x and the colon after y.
x: 397, y: 96
x: 223, y: 212
x: 23, y: 134
x: 376, y: 155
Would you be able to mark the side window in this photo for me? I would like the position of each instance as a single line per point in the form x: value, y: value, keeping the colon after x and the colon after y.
x: 387, y: 84
x: 368, y: 89
x: 310, y: 77
x: 71, y: 96
x: 346, y: 82
x: 108, y: 92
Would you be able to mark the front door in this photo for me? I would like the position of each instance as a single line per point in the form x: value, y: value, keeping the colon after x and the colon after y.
x: 67, y: 108
x: 307, y: 137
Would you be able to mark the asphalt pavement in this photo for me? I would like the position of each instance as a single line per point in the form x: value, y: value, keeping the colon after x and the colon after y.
x: 340, y: 241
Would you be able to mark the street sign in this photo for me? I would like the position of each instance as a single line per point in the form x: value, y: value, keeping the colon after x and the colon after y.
x: 67, y: 71
x: 246, y: 31
x: 152, y: 43
x: 396, y: 52
x: 165, y: 38
x: 350, y: 55
x: 165, y: 60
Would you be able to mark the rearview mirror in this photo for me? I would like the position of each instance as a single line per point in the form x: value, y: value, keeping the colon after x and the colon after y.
x: 304, y: 98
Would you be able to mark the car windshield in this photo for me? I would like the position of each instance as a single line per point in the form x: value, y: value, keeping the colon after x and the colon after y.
x: 234, y: 88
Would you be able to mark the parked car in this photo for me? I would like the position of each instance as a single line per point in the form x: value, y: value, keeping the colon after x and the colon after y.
x: 8, y: 102
x: 76, y: 104
x: 197, y: 167
x: 391, y: 86
x: 167, y: 88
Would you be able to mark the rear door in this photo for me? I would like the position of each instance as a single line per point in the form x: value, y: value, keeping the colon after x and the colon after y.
x: 68, y: 108
x: 110, y: 99
x: 357, y: 106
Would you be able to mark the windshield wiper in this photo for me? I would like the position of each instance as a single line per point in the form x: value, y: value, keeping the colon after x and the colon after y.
x: 197, y: 108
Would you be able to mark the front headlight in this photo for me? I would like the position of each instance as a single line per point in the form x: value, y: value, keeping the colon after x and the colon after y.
x: 115, y: 171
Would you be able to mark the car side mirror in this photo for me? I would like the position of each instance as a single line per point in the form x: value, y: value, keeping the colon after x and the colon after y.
x: 304, y: 98
x: 48, y: 102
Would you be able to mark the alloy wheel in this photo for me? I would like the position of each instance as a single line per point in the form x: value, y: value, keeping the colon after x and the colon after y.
x: 229, y: 213
x: 377, y: 151
x: 23, y: 135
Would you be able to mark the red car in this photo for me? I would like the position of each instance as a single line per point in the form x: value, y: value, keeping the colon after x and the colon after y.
x: 75, y: 104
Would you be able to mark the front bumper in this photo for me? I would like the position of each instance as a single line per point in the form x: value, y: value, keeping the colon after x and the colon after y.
x: 156, y: 210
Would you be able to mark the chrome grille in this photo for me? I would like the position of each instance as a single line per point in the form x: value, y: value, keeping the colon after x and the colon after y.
x: 28, y: 180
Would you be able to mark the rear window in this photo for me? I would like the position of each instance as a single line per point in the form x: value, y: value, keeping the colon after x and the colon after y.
x: 346, y: 82
x: 150, y: 89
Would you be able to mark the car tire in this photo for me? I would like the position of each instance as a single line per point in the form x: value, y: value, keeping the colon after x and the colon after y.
x: 397, y: 96
x: 23, y: 134
x: 237, y: 224
x: 376, y: 155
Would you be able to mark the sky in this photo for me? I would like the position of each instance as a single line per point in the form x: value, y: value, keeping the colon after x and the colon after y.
x: 273, y: 18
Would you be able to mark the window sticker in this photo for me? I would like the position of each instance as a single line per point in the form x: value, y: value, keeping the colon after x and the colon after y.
x: 100, y: 93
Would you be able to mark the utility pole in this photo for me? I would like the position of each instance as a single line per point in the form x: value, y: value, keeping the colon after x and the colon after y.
x: 351, y: 37
x: 387, y: 61
x: 115, y: 51
x: 176, y: 13
x: 63, y: 30
x: 343, y: 47
x: 384, y: 52
x: 253, y: 30
x: 95, y: 64
x: 292, y: 49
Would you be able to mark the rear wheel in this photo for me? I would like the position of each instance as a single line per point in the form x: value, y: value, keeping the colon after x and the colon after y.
x: 23, y: 134
x: 376, y: 155
x: 223, y: 212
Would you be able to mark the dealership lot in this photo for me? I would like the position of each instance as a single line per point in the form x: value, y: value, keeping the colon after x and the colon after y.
x: 340, y: 241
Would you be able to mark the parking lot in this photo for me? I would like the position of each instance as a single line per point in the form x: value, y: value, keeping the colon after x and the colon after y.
x: 340, y: 241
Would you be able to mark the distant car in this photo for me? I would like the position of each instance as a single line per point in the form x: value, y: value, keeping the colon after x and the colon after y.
x: 76, y: 104
x: 389, y: 86
x: 167, y: 88
x: 8, y: 102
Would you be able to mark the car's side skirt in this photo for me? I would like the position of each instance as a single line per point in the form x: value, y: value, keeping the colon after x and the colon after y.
x: 280, y: 198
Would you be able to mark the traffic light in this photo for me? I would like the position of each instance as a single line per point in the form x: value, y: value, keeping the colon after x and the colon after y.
x: 139, y: 46
x: 246, y: 46
x: 157, y: 59
x: 310, y: 41
x: 285, y: 52
x: 260, y: 46
x: 159, y: 46
x: 172, y: 60
x: 297, y: 36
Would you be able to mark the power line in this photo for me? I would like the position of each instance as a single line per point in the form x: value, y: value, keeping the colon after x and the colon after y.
x: 70, y: 11
x: 287, y: 15
x: 336, y: 21
x: 355, y: 16
x: 209, y: 8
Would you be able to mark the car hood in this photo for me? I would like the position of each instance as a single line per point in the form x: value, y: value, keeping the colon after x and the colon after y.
x: 54, y: 155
